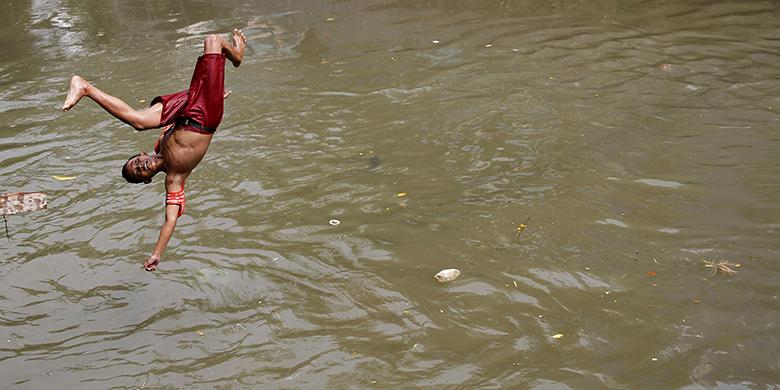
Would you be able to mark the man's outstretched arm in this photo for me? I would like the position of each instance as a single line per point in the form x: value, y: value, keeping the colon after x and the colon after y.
x: 166, y: 231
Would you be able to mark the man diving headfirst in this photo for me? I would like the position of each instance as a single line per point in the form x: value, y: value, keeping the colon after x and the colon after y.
x: 189, y: 119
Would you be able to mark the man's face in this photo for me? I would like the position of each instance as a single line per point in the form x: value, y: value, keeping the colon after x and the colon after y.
x: 142, y: 167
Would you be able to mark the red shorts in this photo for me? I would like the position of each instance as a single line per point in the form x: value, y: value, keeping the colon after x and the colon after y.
x: 204, y: 101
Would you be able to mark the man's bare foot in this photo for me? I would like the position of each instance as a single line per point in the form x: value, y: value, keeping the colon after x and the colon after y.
x: 78, y: 88
x: 239, y: 43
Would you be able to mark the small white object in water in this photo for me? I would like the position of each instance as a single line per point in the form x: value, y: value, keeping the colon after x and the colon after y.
x: 611, y: 221
x: 447, y: 275
x: 435, y: 41
x: 660, y: 183
x: 334, y: 222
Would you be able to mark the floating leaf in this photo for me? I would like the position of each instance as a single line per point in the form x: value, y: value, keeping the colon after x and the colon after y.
x: 447, y: 275
x: 651, y: 273
x: 557, y: 335
x: 400, y: 194
x: 63, y: 178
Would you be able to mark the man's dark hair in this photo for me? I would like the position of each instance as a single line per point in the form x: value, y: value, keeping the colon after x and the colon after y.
x: 126, y: 172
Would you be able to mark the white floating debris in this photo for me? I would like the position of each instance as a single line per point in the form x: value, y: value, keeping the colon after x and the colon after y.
x: 613, y: 222
x: 557, y: 335
x: 334, y: 222
x: 22, y: 202
x: 660, y: 183
x: 435, y: 41
x: 447, y: 275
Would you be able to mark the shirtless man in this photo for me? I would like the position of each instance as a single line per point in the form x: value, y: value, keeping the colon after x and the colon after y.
x: 189, y: 119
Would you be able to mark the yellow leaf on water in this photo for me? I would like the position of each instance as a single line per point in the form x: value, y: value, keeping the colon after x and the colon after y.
x: 64, y: 178
x: 401, y: 194
x: 557, y: 336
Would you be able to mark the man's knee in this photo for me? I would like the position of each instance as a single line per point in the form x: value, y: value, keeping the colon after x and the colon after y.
x: 213, y: 44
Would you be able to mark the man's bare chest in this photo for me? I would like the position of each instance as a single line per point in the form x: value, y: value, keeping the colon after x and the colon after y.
x: 182, y: 150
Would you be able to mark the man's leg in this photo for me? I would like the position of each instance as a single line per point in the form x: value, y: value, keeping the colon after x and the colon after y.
x: 233, y: 52
x: 139, y: 119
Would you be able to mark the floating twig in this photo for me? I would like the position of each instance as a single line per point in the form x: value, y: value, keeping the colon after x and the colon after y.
x: 7, y: 235
x: 722, y: 267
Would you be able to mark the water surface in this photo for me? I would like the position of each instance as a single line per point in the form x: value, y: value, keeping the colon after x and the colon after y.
x: 637, y: 139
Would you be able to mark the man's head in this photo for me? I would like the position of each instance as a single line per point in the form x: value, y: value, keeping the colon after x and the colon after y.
x: 141, y: 168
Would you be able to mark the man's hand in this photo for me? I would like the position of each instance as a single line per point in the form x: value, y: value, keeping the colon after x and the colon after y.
x: 166, y: 231
x: 151, y: 263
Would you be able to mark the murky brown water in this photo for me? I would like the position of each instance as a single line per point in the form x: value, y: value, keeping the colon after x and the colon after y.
x: 639, y: 137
